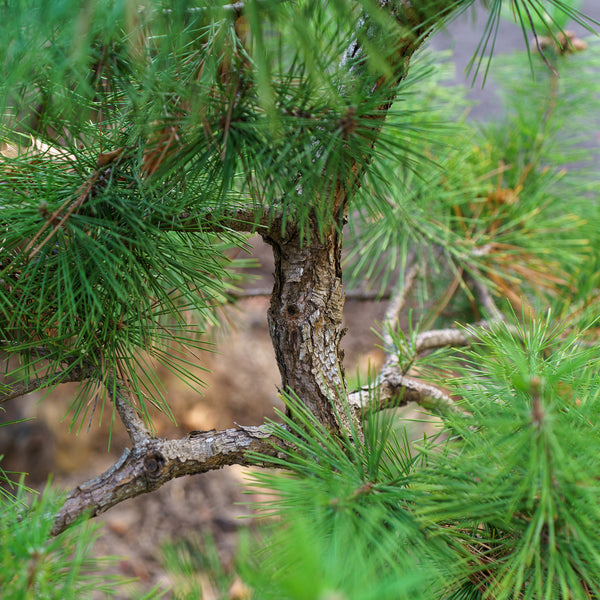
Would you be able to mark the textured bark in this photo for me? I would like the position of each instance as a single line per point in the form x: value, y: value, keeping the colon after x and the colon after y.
x: 305, y: 316
x: 392, y: 389
x: 305, y: 321
x: 153, y: 462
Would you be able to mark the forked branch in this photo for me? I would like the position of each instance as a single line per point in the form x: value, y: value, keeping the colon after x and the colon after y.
x: 153, y: 462
x: 393, y: 388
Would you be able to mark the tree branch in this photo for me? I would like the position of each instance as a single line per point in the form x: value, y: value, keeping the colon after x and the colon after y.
x: 136, y: 429
x: 305, y: 324
x: 484, y: 295
x: 153, y: 462
x: 396, y: 305
x: 21, y: 388
x: 440, y: 338
x: 243, y: 219
x: 392, y: 389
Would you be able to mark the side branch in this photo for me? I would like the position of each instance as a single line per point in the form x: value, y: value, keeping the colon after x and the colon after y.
x: 393, y: 388
x: 136, y: 429
x: 22, y: 388
x: 245, y: 219
x: 153, y: 462
x: 396, y: 306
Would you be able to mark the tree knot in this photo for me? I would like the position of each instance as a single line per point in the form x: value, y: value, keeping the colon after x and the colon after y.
x: 153, y: 463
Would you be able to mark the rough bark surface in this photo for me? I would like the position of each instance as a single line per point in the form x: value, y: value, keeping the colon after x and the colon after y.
x: 153, y: 462
x: 305, y: 321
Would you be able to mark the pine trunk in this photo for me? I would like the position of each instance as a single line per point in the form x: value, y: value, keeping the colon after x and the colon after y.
x: 305, y: 321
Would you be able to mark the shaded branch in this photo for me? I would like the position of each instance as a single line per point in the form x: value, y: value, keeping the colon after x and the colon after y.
x: 396, y: 305
x: 153, y: 462
x: 22, y: 388
x: 237, y: 8
x: 249, y: 220
x: 487, y: 301
x: 485, y: 297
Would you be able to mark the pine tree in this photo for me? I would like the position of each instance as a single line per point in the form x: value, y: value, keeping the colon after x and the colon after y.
x: 142, y: 140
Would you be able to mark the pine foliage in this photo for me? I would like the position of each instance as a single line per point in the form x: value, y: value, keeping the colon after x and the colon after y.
x: 140, y: 139
x: 129, y: 128
x: 500, y: 503
x: 35, y: 565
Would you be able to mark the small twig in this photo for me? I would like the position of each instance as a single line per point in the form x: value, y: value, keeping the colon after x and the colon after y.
x: 251, y: 293
x: 136, y: 429
x: 248, y: 220
x: 537, y: 411
x: 537, y: 42
x: 487, y: 301
x: 440, y: 338
x: 364, y: 296
x: 82, y: 194
x: 397, y: 303
x: 20, y: 389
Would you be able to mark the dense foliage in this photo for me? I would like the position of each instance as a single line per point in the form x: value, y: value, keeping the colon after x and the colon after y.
x: 142, y: 140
